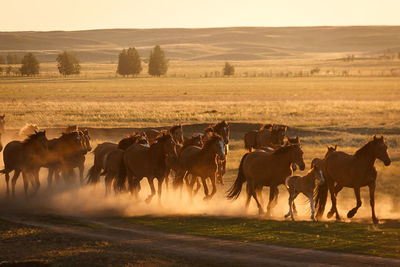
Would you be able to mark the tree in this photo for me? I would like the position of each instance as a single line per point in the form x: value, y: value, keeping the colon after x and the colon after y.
x: 158, y: 64
x: 129, y: 62
x: 13, y: 59
x: 68, y: 64
x: 30, y: 65
x: 228, y: 69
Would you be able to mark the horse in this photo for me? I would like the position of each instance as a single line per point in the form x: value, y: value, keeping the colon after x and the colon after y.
x: 2, y: 124
x: 250, y: 140
x: 330, y: 149
x: 271, y: 136
x: 141, y: 161
x: 304, y: 184
x: 172, y: 164
x: 223, y: 129
x: 261, y: 168
x: 353, y: 171
x: 60, y: 152
x: 175, y: 131
x: 77, y: 160
x: 201, y: 162
x: 25, y: 157
x: 102, y: 150
x: 112, y: 159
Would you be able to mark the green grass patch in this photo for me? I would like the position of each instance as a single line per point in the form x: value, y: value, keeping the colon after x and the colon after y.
x: 382, y: 240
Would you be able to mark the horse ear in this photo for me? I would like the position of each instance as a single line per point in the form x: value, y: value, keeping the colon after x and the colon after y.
x: 297, y: 138
x: 374, y: 137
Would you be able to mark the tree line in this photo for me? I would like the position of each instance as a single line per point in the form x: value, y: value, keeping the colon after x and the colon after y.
x: 129, y: 63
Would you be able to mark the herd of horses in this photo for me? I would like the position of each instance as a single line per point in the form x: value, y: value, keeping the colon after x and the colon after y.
x: 194, y: 160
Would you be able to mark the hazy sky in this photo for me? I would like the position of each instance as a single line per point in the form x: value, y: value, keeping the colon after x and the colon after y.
x: 21, y: 15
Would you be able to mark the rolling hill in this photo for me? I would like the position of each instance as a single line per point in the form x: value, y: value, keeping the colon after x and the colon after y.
x: 239, y: 43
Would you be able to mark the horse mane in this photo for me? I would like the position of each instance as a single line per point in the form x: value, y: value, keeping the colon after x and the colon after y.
x: 284, y: 149
x: 365, y: 148
x: 266, y: 127
x: 28, y: 129
x: 32, y: 137
x: 174, y: 128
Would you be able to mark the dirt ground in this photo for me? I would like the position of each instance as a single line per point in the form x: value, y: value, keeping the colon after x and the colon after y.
x: 80, y: 241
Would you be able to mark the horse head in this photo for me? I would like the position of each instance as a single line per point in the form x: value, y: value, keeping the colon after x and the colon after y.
x: 2, y: 123
x: 380, y: 150
x: 317, y: 170
x: 298, y: 156
x: 177, y: 133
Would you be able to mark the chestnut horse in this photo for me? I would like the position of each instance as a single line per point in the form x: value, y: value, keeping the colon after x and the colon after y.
x: 113, y: 159
x: 2, y: 124
x: 353, y: 171
x: 222, y: 129
x: 141, y: 161
x: 175, y: 131
x: 25, y: 157
x: 201, y: 162
x: 261, y: 168
x: 103, y: 149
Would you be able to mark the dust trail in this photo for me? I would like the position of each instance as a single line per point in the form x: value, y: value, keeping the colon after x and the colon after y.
x: 74, y: 200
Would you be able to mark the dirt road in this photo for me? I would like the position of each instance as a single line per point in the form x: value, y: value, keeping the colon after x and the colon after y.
x: 201, y: 250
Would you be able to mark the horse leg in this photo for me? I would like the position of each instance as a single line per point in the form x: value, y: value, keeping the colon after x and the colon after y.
x: 371, y: 187
x: 26, y: 183
x: 14, y: 181
x: 37, y: 181
x: 160, y: 182
x: 214, y: 187
x: 311, y: 198
x: 8, y: 184
x: 294, y: 209
x: 50, y: 178
x: 81, y: 168
x: 248, y: 196
x: 203, y: 180
x: 333, y: 199
x: 107, y: 182
x: 253, y: 193
x: 153, y: 190
x: 272, y: 192
x: 338, y: 188
x: 198, y: 186
x: 353, y: 211
x: 292, y: 196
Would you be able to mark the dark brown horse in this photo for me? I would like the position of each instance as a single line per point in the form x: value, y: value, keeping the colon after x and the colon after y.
x: 2, y: 124
x: 271, y: 136
x: 103, y: 149
x: 201, y: 162
x: 261, y: 168
x: 141, y: 161
x: 222, y: 129
x: 175, y: 131
x: 60, y: 153
x: 353, y: 171
x: 330, y: 149
x: 113, y: 159
x: 26, y: 157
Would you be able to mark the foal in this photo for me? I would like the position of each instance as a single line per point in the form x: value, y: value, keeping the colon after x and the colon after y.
x: 305, y: 185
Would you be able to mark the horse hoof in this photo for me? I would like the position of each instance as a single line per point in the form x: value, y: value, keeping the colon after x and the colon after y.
x: 351, y: 214
x: 287, y: 215
x: 148, y: 200
x: 375, y: 220
x: 330, y: 214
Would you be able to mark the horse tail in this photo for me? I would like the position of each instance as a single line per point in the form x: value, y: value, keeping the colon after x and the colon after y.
x: 93, y: 175
x: 320, y: 197
x: 120, y: 181
x: 234, y: 191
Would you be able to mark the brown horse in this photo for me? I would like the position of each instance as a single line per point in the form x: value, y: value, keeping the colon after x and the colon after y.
x: 175, y: 131
x: 330, y: 149
x: 250, y: 140
x: 354, y: 171
x: 25, y: 157
x: 271, y: 136
x: 141, y: 161
x: 261, y: 168
x: 305, y: 185
x: 2, y: 124
x: 100, y: 152
x: 222, y: 129
x: 201, y: 162
x: 59, y: 154
x: 172, y: 164
x: 113, y: 159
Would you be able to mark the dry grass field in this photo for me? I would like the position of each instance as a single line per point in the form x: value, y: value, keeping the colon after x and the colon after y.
x: 346, y: 103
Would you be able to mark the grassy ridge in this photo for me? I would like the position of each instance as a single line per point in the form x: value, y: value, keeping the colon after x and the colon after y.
x: 382, y: 240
